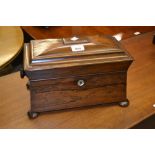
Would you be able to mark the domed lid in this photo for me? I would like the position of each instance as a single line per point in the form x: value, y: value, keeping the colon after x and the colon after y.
x: 75, y: 51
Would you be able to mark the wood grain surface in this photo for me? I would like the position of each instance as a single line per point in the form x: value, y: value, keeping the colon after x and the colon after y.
x: 15, y: 98
x: 38, y: 32
x: 51, y: 55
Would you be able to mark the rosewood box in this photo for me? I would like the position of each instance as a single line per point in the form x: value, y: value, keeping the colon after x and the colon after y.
x: 75, y: 72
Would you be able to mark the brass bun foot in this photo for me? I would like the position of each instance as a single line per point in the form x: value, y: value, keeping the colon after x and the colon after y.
x: 124, y: 103
x: 32, y: 115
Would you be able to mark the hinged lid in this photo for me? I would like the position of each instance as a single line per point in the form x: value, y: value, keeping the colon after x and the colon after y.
x: 68, y: 52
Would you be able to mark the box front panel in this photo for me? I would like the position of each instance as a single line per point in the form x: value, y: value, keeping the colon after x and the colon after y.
x: 58, y: 94
x: 56, y: 100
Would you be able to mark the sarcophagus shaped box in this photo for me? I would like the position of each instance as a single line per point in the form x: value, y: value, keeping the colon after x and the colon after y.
x: 75, y: 72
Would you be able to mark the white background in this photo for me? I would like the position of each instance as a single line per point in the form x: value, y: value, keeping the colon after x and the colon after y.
x: 77, y: 12
x: 81, y: 12
x: 77, y: 142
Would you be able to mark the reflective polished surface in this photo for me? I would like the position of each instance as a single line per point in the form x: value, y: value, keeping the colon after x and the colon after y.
x: 11, y: 42
x: 120, y: 32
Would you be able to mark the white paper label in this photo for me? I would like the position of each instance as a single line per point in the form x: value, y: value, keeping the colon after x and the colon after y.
x: 77, y: 48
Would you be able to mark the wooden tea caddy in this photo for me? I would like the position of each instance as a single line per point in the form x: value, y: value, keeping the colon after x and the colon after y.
x: 75, y: 72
